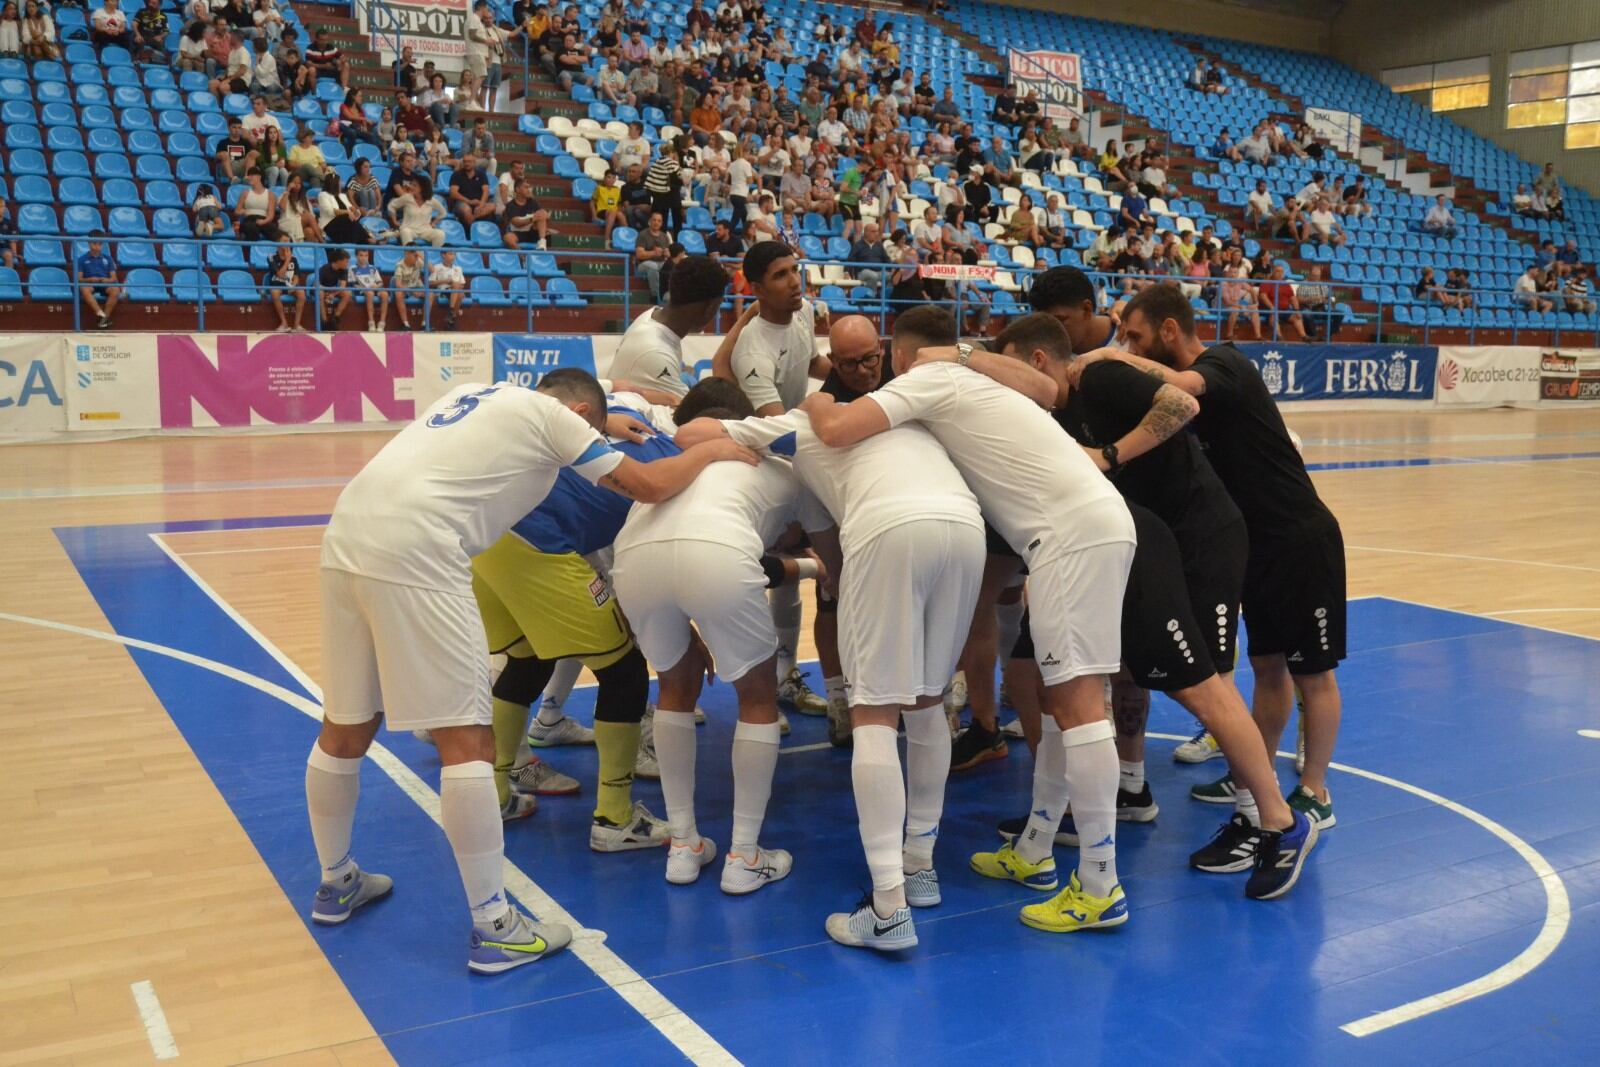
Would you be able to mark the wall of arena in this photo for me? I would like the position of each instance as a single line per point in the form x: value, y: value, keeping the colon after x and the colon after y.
x: 1377, y: 35
x: 82, y: 387
x: 1201, y: 17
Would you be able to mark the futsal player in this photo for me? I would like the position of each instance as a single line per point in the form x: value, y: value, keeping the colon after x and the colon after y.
x: 699, y: 559
x: 651, y: 352
x: 1044, y: 496
x: 1294, y: 589
x: 1188, y: 567
x: 771, y: 353
x: 402, y: 638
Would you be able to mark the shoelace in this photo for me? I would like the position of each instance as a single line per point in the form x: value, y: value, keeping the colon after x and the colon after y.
x: 1199, y: 736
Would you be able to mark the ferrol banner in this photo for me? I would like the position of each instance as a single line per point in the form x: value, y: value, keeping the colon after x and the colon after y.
x: 1569, y: 375
x: 1055, y: 76
x: 1345, y: 372
x: 435, y: 29
x: 1488, y: 377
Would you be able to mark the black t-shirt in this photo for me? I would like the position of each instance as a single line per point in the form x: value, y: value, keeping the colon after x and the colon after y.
x: 1005, y: 104
x: 834, y: 386
x: 1174, y: 479
x: 515, y: 210
x: 235, y: 149
x: 1129, y: 263
x: 924, y: 93
x: 399, y: 178
x: 725, y: 246
x: 331, y: 277
x: 472, y: 185
x: 635, y: 193
x: 1249, y: 447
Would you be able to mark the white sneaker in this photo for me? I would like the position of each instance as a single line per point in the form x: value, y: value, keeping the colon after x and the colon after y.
x: 840, y: 723
x: 516, y: 940
x: 644, y: 764
x: 783, y: 724
x: 1012, y: 729
x: 684, y: 863
x: 795, y: 694
x: 741, y: 875
x: 642, y: 830
x: 863, y: 929
x: 1199, y: 748
x: 542, y: 245
x: 566, y: 731
x: 922, y: 889
x: 425, y: 736
x: 956, y: 696
x: 537, y: 776
x: 699, y: 715
x: 518, y: 806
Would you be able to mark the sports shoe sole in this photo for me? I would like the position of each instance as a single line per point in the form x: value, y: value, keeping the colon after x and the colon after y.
x: 1102, y: 924
x: 708, y: 852
x: 1139, y: 814
x: 742, y: 892
x: 1299, y: 865
x: 343, y: 917
x: 988, y: 755
x: 625, y: 846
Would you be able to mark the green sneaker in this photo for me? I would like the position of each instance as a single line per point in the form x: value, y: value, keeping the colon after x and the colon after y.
x: 1320, y: 814
x: 1220, y: 791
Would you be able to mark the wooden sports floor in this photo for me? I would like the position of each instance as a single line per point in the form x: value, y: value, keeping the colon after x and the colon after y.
x: 140, y: 921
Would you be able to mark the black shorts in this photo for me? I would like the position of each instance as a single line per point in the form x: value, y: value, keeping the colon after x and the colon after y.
x: 1213, y: 569
x: 1162, y: 645
x: 997, y: 545
x: 1294, y: 597
x: 850, y: 211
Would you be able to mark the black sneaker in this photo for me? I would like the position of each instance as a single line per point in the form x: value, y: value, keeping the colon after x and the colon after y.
x: 1231, y: 850
x: 1066, y: 833
x: 1136, y: 807
x: 1279, y: 858
x: 976, y: 745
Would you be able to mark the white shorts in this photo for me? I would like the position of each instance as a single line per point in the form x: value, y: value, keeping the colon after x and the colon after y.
x: 419, y: 656
x: 905, y: 605
x: 663, y: 585
x: 1075, y: 611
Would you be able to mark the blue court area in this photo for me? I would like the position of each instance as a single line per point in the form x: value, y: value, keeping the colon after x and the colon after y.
x: 1406, y: 899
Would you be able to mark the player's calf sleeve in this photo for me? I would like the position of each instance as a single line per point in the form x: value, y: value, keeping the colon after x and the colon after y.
x: 1037, y: 839
x: 559, y: 689
x: 755, y: 759
x: 675, y: 753
x: 785, y: 605
x: 332, y: 787
x: 880, y: 802
x: 927, y: 769
x: 472, y: 824
x: 1092, y: 775
x: 624, y: 689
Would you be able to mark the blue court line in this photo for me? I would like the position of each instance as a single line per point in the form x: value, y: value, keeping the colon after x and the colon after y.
x: 1381, y: 917
x: 1445, y: 461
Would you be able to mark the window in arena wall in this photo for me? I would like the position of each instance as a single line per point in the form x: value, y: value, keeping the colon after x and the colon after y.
x: 1556, y: 87
x: 1450, y: 86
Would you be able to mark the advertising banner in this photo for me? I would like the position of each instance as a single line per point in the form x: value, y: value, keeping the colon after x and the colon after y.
x: 957, y: 271
x: 1341, y: 128
x: 1345, y: 372
x: 1569, y: 375
x: 435, y: 29
x: 112, y: 382
x: 1488, y: 377
x: 32, y: 390
x: 1055, y: 76
x: 524, y: 358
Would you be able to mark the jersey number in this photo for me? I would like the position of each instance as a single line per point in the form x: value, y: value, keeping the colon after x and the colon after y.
x: 463, y: 407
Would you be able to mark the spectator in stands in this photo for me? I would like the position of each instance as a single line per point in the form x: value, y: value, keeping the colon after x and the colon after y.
x: 999, y: 165
x: 468, y: 91
x: 486, y: 51
x: 412, y: 117
x: 238, y: 71
x: 470, y: 197
x: 605, y: 206
x: 279, y: 284
x: 268, y: 21
x: 1528, y: 291
x: 1547, y: 181
x: 1554, y: 205
x: 11, y: 31
x: 326, y: 60
x: 255, y: 213
x: 927, y: 235
x: 415, y: 215
x: 705, y: 119
x: 365, y: 278
x: 525, y: 220
x: 339, y: 216
x: 1196, y: 274
x: 1135, y: 210
x: 1030, y: 153
x: 650, y: 253
x: 1259, y: 209
x: 636, y: 199
x: 1153, y: 179
x: 446, y: 280
x: 386, y: 129
x: 1569, y: 254
x: 299, y: 79
x: 724, y: 242
x: 644, y: 85
x: 1132, y: 263
x: 406, y: 70
x: 333, y: 288
x: 1439, y: 219
x: 1024, y: 226
x: 1289, y: 217
x: 794, y: 189
x: 1355, y: 198
x: 256, y: 124
x: 1279, y: 301
x: 1110, y: 164
x: 266, y: 83
x: 1522, y: 203
x: 364, y: 191
x: 108, y: 25
x: 99, y: 282
x: 191, y: 48
x: 409, y: 283
x: 436, y: 153
x: 1200, y: 76
x: 149, y: 32
x: 235, y: 153
x: 479, y: 143
x: 1545, y: 258
x: 1281, y: 146
x: 505, y: 188
x: 10, y: 237
x: 1257, y: 148
x: 1459, y: 285
x: 1321, y: 226
x: 1576, y: 294
x: 206, y: 211
x: 441, y: 105
x: 297, y: 216
x: 306, y: 160
x: 568, y: 62
x: 38, y: 33
x: 1316, y: 300
x: 1239, y: 297
x: 1005, y: 107
x: 762, y: 219
x: 1265, y: 263
x: 1305, y: 143
x: 1224, y: 148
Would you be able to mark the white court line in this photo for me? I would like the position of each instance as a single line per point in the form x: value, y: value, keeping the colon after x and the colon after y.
x: 245, y: 551
x: 698, y: 1046
x: 1589, y: 733
x: 1445, y: 439
x: 1536, y: 611
x: 156, y: 1029
x: 87, y: 492
x: 1476, y: 559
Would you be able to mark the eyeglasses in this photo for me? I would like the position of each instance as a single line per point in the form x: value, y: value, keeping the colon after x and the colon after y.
x: 866, y: 362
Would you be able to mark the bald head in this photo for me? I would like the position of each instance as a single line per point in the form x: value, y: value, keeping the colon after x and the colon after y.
x: 856, y: 352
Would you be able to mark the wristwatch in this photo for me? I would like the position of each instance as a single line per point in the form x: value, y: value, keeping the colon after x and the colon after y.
x: 963, y: 354
x: 1112, y: 463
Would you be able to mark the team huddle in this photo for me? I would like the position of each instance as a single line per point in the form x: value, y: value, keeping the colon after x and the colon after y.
x: 1139, y: 487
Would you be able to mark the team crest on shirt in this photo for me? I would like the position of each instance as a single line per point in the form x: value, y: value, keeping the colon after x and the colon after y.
x: 600, y: 591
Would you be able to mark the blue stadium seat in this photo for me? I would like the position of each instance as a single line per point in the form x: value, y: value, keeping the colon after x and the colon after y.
x: 76, y: 191
x: 63, y: 139
x: 236, y: 104
x: 137, y: 254
x: 162, y: 194
x: 485, y: 290
x: 10, y: 285
x: 486, y: 235
x: 159, y: 78
x: 53, y: 93
x: 192, y: 81
x: 202, y: 102
x: 184, y: 144
x: 152, y: 168
x: 225, y: 255
x: 192, y: 286
x: 138, y: 118
x: 525, y: 290
x: 106, y: 165
x: 624, y: 239
x: 14, y: 89
x: 97, y: 116
x: 237, y: 287
x: 35, y: 189
x: 146, y: 143
x: 128, y: 222
x: 49, y: 71
x: 173, y: 121
x: 193, y: 169
x: 105, y: 140
x: 22, y: 137
x: 145, y: 285
x: 693, y: 242
x: 114, y: 55
x: 38, y: 253
x: 49, y: 284
x: 85, y: 95
x: 563, y: 292
x: 543, y: 265
x: 170, y: 222
x: 126, y: 96
x: 37, y: 218
x: 80, y: 220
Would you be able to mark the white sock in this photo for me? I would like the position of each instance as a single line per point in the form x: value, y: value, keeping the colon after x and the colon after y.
x: 557, y: 690
x: 524, y: 754
x: 1091, y: 764
x: 834, y: 684
x: 927, y: 769
x: 1010, y: 617
x: 1245, y: 804
x: 784, y: 602
x: 1132, y: 774
x: 1038, y: 839
x: 880, y: 802
x: 755, y: 759
x: 332, y: 786
x: 469, y: 808
x: 675, y: 752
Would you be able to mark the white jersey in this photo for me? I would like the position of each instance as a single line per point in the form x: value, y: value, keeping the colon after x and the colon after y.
x: 734, y: 504
x: 447, y: 486
x: 773, y: 363
x: 1037, y: 486
x: 885, y: 481
x: 651, y: 355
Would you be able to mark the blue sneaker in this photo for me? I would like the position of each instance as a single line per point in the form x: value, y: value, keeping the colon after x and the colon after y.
x: 336, y: 902
x: 1280, y: 854
x: 515, y: 941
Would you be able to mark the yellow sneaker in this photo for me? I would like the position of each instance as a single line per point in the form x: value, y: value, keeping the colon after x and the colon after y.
x: 1073, y: 909
x: 1008, y: 866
